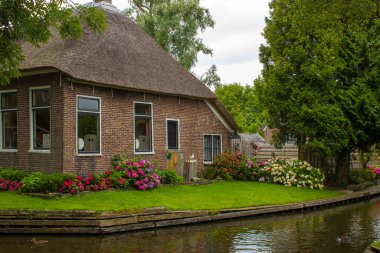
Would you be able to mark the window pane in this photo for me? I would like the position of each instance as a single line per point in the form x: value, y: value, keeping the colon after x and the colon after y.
x: 88, y: 132
x: 41, y: 127
x: 216, y: 145
x: 9, y: 120
x: 172, y: 134
x: 143, y: 134
x: 88, y: 104
x: 143, y: 109
x: 41, y: 98
x: 9, y: 100
x: 207, y: 148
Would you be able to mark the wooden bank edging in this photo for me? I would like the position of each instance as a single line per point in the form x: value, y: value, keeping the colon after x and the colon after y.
x: 91, y: 222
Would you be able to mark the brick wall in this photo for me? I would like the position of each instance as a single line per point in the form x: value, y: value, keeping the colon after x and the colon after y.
x: 23, y: 158
x: 117, y: 122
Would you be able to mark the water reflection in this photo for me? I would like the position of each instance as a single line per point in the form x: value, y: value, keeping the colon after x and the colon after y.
x: 343, y: 229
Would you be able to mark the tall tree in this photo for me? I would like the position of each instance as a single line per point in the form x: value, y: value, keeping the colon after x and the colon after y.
x: 211, y: 79
x: 243, y: 105
x: 34, y: 21
x: 321, y: 79
x: 175, y: 25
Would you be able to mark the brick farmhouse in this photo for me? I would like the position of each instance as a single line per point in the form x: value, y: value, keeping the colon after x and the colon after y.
x: 78, y: 103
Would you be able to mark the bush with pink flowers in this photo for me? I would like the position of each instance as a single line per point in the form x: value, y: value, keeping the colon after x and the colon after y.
x: 72, y: 185
x: 140, y: 173
x: 136, y: 173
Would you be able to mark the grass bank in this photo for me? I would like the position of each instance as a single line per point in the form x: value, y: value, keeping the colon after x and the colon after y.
x: 220, y: 195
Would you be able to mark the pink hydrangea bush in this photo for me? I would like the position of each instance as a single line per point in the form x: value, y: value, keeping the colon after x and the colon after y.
x: 140, y: 173
x: 10, y: 185
x: 72, y: 185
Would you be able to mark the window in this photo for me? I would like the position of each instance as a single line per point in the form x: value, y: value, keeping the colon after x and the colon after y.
x: 8, y: 120
x: 40, y: 116
x: 88, y: 125
x: 212, y: 147
x: 172, y: 133
x: 143, y: 127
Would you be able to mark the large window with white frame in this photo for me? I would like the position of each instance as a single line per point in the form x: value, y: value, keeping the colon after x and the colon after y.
x: 172, y: 133
x: 40, y: 118
x: 8, y: 120
x: 143, y: 115
x: 88, y: 125
x: 212, y: 147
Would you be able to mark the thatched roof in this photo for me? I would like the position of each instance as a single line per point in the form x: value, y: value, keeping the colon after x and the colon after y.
x: 124, y: 56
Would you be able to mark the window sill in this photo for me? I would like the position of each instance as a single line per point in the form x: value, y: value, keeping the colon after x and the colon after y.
x: 39, y: 151
x: 208, y: 163
x: 8, y: 150
x: 144, y: 153
x: 84, y: 155
x: 173, y: 149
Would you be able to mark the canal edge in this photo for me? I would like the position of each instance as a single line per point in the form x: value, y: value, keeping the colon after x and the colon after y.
x: 92, y: 222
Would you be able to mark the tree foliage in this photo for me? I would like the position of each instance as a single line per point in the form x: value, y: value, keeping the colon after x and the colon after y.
x: 34, y: 21
x: 243, y: 105
x: 321, y: 79
x: 174, y: 24
x: 211, y: 79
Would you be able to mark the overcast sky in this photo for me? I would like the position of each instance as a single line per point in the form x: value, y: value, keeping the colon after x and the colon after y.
x: 235, y: 39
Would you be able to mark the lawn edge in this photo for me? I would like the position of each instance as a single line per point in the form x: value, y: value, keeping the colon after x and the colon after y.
x: 19, y: 221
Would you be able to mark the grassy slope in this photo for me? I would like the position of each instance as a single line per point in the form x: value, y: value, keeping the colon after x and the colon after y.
x: 183, y: 197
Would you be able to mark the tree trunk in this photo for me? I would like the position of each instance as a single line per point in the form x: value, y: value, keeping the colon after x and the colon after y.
x: 301, y: 148
x: 342, y: 167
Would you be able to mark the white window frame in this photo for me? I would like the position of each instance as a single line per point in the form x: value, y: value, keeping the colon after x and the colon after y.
x: 179, y: 134
x: 134, y: 129
x: 31, y: 132
x: 1, y: 122
x: 212, y: 154
x: 100, y: 125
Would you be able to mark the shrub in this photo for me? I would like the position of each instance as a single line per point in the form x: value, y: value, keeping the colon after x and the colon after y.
x: 94, y: 182
x: 231, y: 165
x: 33, y: 183
x: 9, y: 185
x: 140, y: 173
x: 362, y: 175
x: 53, y: 182
x: 117, y: 179
x: 12, y: 174
x: 72, y: 185
x: 209, y: 173
x: 169, y: 177
x: 296, y: 173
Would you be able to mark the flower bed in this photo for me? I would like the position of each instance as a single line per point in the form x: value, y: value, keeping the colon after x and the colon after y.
x: 126, y: 174
x: 232, y: 165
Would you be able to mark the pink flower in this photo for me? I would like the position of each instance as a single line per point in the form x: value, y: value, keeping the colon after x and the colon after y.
x: 134, y: 174
x: 72, y: 191
x: 108, y: 172
x: 117, y: 168
x: 128, y: 174
x: 140, y: 172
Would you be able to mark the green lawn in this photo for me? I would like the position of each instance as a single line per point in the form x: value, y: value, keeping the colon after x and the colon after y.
x: 181, y: 197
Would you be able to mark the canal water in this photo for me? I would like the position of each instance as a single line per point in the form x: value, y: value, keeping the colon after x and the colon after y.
x: 348, y: 228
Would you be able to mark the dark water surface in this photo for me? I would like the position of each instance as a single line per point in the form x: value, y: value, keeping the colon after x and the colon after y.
x: 343, y: 229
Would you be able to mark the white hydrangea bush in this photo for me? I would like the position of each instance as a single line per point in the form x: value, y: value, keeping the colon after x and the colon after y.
x: 296, y: 173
